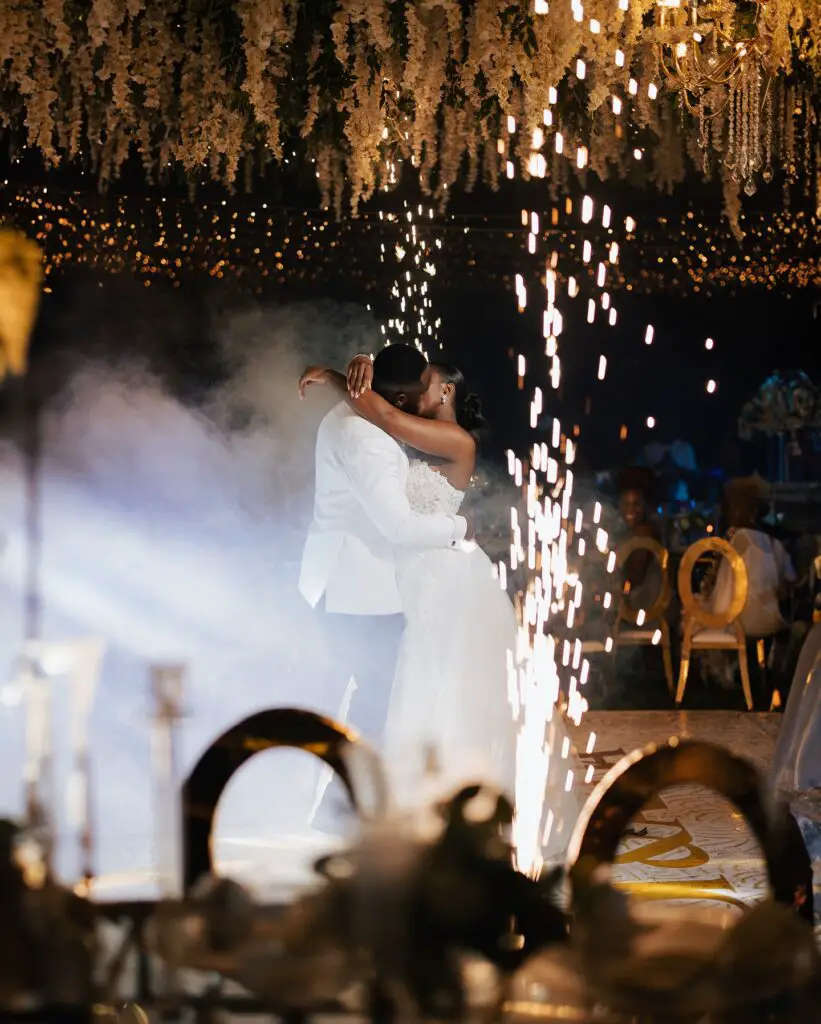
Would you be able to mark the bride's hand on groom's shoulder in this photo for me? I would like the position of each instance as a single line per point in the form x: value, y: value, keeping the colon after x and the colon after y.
x: 360, y: 375
x: 313, y: 375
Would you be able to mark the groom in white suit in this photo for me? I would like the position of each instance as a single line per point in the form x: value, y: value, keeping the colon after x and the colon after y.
x: 361, y: 515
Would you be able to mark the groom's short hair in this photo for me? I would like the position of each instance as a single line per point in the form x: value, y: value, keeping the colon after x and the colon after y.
x: 398, y: 372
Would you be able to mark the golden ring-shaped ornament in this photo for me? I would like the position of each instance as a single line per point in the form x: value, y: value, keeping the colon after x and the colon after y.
x: 662, y: 602
x: 631, y: 783
x: 694, y: 608
x: 291, y: 728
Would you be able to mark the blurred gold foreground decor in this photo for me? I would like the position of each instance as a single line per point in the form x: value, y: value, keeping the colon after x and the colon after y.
x: 21, y: 278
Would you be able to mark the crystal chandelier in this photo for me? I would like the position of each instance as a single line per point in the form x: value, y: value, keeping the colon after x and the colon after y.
x: 717, y: 57
x: 708, y: 46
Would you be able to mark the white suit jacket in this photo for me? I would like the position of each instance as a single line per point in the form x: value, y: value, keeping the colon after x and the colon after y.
x: 361, y: 515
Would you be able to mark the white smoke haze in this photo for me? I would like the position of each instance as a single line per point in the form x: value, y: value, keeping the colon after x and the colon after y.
x: 174, y: 534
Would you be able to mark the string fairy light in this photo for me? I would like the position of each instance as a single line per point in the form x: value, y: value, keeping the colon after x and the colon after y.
x: 262, y: 247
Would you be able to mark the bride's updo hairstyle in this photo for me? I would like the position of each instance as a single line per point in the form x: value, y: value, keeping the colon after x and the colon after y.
x: 468, y: 406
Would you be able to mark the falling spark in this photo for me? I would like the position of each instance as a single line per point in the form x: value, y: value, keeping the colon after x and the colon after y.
x: 587, y: 210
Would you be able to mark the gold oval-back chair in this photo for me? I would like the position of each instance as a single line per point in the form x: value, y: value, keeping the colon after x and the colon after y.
x: 705, y: 630
x: 642, y: 628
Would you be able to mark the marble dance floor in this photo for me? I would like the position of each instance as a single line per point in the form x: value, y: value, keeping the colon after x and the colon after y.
x: 694, y: 840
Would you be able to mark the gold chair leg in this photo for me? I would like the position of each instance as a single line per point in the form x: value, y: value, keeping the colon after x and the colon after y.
x: 684, y: 669
x: 745, y: 675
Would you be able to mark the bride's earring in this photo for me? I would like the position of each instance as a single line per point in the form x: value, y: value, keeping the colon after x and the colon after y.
x: 443, y: 399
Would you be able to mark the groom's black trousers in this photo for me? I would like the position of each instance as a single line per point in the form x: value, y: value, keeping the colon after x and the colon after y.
x: 365, y: 648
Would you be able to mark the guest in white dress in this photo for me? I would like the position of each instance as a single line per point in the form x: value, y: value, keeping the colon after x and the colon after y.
x: 770, y: 571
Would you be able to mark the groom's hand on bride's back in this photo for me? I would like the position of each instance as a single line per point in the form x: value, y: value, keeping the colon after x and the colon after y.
x: 470, y: 530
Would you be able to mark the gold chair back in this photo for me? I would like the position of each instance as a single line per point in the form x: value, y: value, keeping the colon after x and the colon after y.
x: 662, y: 601
x: 693, y: 608
x: 709, y: 630
x: 656, y: 613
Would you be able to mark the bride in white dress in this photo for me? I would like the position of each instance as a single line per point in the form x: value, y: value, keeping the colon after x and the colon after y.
x: 450, y: 700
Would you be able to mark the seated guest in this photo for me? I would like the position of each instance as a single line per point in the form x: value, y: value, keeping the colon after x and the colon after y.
x: 642, y: 581
x: 770, y: 572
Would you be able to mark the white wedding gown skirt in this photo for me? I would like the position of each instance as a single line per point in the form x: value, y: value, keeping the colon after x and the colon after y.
x: 451, y: 692
x: 796, y: 772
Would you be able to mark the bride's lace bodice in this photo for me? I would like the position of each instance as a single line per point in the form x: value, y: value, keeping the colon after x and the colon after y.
x: 429, y: 492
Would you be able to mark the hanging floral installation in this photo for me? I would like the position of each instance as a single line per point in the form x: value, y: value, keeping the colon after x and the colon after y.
x: 221, y: 88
